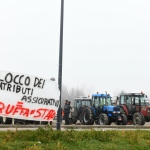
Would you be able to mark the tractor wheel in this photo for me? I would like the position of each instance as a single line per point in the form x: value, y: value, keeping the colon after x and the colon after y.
x: 87, y: 116
x: 1, y: 120
x: 138, y: 119
x: 91, y: 122
x: 74, y: 121
x: 122, y: 111
x: 103, y: 119
x: 96, y: 121
x: 109, y: 121
x: 124, y: 120
x: 143, y: 120
x: 119, y: 123
x: 70, y: 121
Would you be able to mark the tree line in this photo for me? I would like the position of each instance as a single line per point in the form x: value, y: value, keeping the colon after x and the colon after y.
x: 71, y: 94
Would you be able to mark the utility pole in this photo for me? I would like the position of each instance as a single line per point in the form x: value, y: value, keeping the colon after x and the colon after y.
x: 60, y: 63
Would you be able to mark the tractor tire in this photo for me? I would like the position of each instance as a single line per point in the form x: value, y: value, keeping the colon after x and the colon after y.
x: 70, y: 121
x: 124, y: 120
x: 122, y: 111
x: 96, y: 121
x: 103, y: 119
x: 109, y: 121
x: 1, y: 120
x: 91, y: 122
x: 143, y: 120
x: 74, y: 121
x: 87, y: 116
x: 138, y: 119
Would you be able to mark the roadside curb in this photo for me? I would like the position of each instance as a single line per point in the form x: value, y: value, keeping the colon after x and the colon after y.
x: 77, y: 126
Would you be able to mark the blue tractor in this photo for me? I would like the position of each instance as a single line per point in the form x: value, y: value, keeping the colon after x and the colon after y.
x: 102, y: 112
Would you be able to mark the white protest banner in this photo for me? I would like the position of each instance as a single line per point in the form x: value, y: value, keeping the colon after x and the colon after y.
x: 28, y: 97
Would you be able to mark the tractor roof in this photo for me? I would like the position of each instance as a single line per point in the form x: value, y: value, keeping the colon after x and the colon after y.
x: 133, y: 94
x: 82, y: 98
x: 101, y: 95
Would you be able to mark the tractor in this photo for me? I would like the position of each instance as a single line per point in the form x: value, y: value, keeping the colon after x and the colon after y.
x: 135, y: 106
x: 102, y: 112
x: 79, y: 104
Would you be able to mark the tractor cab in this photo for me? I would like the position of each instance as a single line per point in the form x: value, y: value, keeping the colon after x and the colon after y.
x: 99, y: 101
x: 135, y: 103
x: 79, y: 104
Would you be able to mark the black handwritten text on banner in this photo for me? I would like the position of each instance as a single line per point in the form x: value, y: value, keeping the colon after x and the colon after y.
x: 28, y: 97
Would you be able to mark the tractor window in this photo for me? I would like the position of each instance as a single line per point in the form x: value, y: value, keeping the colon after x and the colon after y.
x: 136, y: 100
x: 147, y: 101
x: 128, y: 100
x: 144, y: 101
x: 108, y: 101
x: 77, y: 103
x: 122, y: 100
x: 102, y: 101
x: 83, y: 103
x: 88, y: 103
x: 133, y: 100
x: 96, y: 102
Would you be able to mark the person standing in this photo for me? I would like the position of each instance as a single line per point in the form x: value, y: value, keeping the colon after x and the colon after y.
x: 66, y: 112
x: 65, y: 108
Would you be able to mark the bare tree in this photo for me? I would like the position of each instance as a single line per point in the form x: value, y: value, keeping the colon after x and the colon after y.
x: 71, y: 94
x: 65, y: 92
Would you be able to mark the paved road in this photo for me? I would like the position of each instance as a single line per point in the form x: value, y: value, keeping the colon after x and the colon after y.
x: 78, y: 126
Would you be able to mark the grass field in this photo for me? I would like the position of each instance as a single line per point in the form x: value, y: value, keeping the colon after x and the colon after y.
x: 49, y: 139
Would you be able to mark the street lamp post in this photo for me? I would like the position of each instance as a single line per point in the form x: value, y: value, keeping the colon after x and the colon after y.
x: 60, y: 63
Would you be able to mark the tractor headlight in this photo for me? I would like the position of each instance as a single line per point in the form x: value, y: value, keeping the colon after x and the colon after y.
x: 116, y: 112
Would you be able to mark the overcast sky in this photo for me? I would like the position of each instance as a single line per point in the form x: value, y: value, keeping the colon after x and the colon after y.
x: 106, y: 43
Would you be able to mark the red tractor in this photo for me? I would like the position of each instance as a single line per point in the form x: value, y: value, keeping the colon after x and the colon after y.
x: 136, y: 106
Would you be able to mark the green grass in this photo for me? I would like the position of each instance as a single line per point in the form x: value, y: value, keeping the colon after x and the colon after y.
x: 49, y: 139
